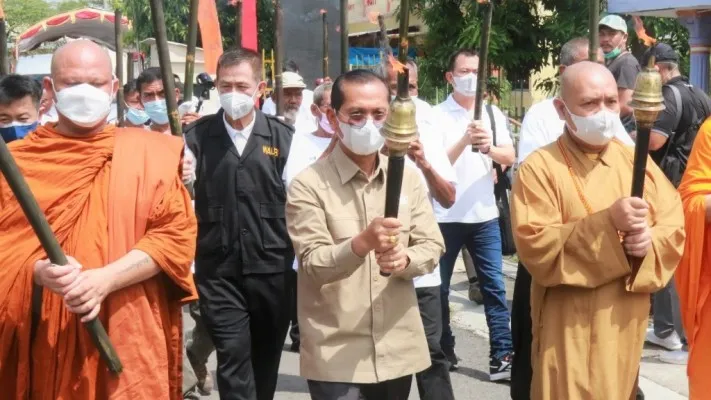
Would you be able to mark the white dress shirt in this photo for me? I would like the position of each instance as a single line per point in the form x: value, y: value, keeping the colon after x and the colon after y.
x: 436, y: 155
x: 475, y: 201
x: 542, y: 126
x: 239, y: 137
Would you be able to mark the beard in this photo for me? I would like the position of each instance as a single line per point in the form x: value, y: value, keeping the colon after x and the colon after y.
x: 290, y: 114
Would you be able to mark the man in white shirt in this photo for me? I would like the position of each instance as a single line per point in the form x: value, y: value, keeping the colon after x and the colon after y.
x: 473, y: 219
x: 541, y: 126
x: 307, y: 148
x: 429, y: 157
x: 295, y: 114
x: 304, y: 122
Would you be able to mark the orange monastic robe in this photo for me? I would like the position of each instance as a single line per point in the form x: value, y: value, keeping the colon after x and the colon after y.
x: 103, y: 196
x: 693, y: 276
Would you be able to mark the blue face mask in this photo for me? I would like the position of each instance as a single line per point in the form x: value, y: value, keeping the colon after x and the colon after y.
x: 16, y: 130
x: 157, y: 111
x: 136, y: 116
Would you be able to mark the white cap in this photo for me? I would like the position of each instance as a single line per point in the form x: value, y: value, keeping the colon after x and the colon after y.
x: 292, y: 80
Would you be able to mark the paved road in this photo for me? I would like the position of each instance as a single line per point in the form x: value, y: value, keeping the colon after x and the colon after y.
x: 659, y: 381
x: 470, y: 381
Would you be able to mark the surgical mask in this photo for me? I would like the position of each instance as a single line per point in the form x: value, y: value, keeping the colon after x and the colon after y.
x: 136, y: 116
x: 597, y: 129
x: 613, y: 54
x: 85, y: 105
x: 363, y: 140
x: 16, y: 130
x: 237, y: 104
x: 465, y: 85
x: 157, y: 111
x: 325, y: 125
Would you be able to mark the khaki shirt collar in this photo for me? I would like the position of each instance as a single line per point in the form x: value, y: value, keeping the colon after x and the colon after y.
x: 347, y: 169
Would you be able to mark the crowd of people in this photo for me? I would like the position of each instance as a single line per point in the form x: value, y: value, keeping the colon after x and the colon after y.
x: 262, y: 226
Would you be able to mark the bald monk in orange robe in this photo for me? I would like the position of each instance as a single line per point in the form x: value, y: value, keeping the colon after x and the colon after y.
x: 693, y: 276
x: 115, y: 201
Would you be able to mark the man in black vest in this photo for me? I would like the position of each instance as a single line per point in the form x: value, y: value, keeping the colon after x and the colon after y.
x: 243, y: 249
x: 672, y: 137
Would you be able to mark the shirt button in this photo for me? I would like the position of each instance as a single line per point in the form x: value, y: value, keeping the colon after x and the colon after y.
x: 244, y: 232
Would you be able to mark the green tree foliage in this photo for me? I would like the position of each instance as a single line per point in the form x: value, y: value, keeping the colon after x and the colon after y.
x: 526, y: 35
x: 22, y: 14
x: 69, y: 5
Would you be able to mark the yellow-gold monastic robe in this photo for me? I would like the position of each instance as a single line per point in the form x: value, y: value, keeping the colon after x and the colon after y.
x: 589, y: 310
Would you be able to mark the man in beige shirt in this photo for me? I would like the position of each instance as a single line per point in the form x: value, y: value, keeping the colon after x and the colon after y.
x: 361, y: 333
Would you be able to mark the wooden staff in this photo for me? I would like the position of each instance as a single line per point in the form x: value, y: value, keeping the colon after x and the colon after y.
x: 594, y: 31
x: 325, y: 43
x: 483, y: 72
x: 190, y: 54
x: 344, y: 36
x: 119, y: 65
x: 54, y: 251
x: 278, y: 58
x: 166, y: 69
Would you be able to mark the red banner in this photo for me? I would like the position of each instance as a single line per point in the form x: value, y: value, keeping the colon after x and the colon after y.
x: 210, y: 35
x: 249, y: 24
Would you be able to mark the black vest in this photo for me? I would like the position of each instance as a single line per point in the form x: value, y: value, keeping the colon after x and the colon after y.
x: 240, y: 199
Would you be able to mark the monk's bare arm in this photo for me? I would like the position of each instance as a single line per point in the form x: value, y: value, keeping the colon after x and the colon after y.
x: 133, y: 268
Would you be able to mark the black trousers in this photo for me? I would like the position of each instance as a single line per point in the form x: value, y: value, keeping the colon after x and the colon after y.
x: 433, y: 383
x: 522, y: 335
x: 294, y: 332
x: 396, y: 389
x: 247, y: 318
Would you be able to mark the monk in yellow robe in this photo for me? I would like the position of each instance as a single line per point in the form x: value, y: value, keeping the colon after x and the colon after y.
x: 570, y: 207
x: 115, y: 201
x: 693, y: 277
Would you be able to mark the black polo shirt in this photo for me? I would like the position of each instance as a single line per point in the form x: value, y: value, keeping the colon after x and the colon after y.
x: 679, y: 136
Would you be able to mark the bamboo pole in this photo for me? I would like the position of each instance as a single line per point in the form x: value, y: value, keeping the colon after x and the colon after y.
x: 344, y: 36
x: 54, y: 251
x: 238, y: 24
x: 325, y: 44
x: 190, y: 55
x: 120, y: 102
x: 130, y: 67
x: 166, y: 69
x: 482, y: 76
x: 278, y: 58
x: 4, y: 66
x: 594, y: 34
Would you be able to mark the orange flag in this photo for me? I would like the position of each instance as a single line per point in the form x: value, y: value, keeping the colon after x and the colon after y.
x: 210, y: 34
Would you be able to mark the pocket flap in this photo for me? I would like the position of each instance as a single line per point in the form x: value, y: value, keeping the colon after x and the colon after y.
x: 272, y: 210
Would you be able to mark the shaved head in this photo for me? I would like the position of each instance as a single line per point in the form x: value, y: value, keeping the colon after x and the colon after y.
x: 586, y: 89
x: 585, y: 79
x: 84, y: 54
x: 80, y: 62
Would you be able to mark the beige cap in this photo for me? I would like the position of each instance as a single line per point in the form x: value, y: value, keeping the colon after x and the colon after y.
x: 292, y: 80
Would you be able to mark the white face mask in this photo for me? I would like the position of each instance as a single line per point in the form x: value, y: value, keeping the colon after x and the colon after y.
x: 597, y: 129
x: 84, y: 104
x: 465, y: 85
x: 237, y: 104
x: 363, y: 141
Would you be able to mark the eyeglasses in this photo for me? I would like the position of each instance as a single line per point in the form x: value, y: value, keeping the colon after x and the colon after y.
x: 359, y: 119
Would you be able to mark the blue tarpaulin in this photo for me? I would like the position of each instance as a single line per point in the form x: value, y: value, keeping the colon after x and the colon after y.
x: 370, y: 56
